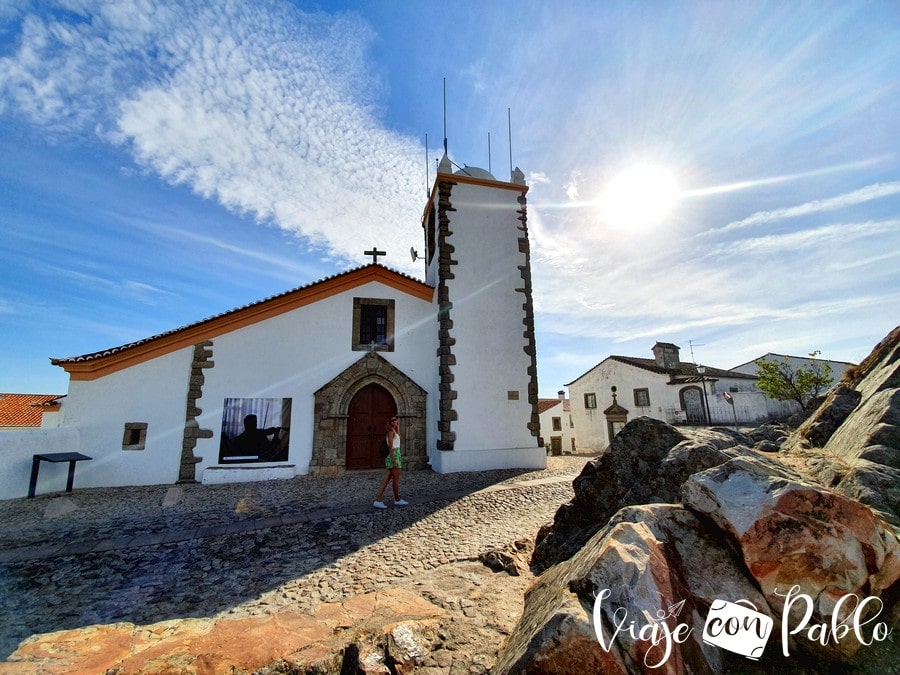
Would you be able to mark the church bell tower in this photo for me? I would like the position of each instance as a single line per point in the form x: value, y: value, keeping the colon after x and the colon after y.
x: 478, y: 259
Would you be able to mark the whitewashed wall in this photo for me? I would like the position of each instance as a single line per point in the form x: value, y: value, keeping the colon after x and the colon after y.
x: 751, y: 406
x: 487, y: 319
x: 296, y: 353
x: 590, y: 425
x: 18, y: 447
x: 95, y: 413
x: 838, y: 368
x: 153, y: 392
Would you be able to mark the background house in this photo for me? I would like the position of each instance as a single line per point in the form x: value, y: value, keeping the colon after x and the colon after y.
x: 557, y: 425
x: 780, y: 409
x: 19, y: 412
x: 620, y: 388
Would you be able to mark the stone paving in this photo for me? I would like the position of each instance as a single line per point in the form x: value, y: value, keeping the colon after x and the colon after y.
x: 148, y: 554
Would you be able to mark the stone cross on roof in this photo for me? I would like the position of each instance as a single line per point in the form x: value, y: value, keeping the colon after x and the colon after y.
x: 374, y: 253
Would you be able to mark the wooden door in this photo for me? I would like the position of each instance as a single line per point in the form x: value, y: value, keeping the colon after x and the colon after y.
x: 369, y: 412
x: 556, y: 445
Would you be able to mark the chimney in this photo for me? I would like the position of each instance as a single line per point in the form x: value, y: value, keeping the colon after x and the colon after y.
x: 561, y: 394
x: 667, y: 355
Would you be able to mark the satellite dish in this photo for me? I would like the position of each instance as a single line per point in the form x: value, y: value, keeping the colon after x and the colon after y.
x: 413, y: 254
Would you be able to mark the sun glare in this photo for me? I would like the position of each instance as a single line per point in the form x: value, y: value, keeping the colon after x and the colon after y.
x: 639, y: 197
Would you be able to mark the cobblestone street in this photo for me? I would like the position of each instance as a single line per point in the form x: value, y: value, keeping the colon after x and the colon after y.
x: 149, y: 554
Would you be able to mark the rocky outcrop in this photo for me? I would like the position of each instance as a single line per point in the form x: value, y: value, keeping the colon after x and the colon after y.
x: 645, y: 464
x: 382, y: 632
x: 511, y: 558
x: 649, y: 583
x: 852, y: 442
x: 797, y: 543
x: 838, y: 405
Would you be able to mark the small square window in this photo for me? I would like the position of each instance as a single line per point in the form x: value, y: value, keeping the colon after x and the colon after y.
x: 512, y: 395
x: 642, y: 398
x: 135, y: 436
x: 590, y: 401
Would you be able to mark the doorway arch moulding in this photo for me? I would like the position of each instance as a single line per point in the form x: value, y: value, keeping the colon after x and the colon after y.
x: 331, y: 412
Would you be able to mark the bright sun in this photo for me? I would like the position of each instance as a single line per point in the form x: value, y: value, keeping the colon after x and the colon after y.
x: 641, y: 196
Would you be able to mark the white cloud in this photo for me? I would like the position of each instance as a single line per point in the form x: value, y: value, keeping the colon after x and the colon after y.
x: 261, y: 107
x: 854, y: 198
x: 826, y: 236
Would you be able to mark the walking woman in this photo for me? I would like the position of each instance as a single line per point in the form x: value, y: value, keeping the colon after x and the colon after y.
x: 393, y: 464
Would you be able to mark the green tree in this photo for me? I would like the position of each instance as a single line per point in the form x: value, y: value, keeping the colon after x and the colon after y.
x: 780, y: 380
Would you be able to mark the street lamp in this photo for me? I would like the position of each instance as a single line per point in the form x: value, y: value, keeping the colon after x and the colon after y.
x: 701, y: 370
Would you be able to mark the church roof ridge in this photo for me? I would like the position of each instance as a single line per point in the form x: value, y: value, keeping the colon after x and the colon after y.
x: 93, y: 356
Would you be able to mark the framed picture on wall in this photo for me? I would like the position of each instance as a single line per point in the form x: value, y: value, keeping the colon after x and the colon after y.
x: 255, y: 430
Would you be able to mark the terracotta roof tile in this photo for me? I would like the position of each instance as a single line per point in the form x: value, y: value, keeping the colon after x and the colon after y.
x: 544, y: 404
x: 23, y: 410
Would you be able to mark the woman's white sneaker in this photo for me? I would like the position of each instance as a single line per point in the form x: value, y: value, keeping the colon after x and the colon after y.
x: 401, y: 502
x: 380, y: 505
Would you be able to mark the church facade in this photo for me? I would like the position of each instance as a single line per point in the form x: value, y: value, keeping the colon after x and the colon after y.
x: 304, y: 382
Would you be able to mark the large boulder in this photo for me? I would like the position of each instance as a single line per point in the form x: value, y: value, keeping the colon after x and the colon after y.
x: 655, y: 577
x: 796, y: 535
x: 838, y: 405
x: 646, y: 463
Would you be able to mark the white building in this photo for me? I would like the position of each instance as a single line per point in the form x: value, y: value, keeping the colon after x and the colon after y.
x: 620, y: 388
x: 304, y: 382
x: 557, y: 425
x: 787, y: 408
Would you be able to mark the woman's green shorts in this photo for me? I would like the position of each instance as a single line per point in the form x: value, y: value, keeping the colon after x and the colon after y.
x: 393, y: 460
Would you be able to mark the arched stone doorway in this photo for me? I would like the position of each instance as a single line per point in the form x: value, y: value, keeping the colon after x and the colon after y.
x: 332, y: 414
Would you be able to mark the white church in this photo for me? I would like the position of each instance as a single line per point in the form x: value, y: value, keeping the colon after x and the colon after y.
x: 303, y: 383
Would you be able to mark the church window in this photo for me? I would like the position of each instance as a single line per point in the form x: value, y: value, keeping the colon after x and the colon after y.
x: 432, y: 241
x: 373, y: 324
x: 135, y: 436
x: 590, y: 401
x: 642, y: 398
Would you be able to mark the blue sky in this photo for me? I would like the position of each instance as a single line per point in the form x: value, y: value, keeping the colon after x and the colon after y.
x: 163, y: 162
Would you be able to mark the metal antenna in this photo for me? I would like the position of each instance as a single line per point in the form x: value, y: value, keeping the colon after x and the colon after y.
x: 427, y: 176
x: 692, y: 344
x: 489, y: 152
x: 445, y: 115
x: 509, y: 129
